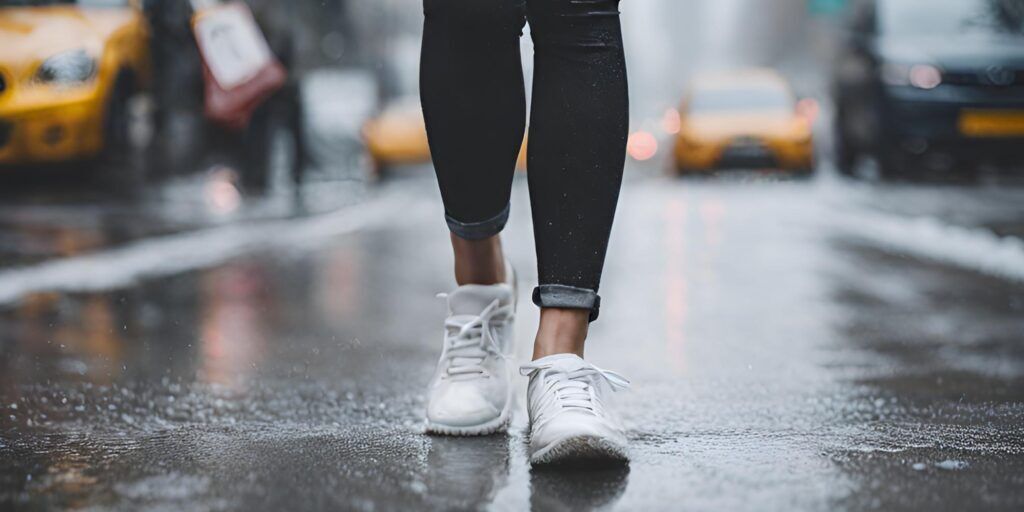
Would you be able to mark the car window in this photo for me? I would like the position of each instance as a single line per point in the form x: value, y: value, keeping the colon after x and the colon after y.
x: 740, y: 98
x: 946, y: 17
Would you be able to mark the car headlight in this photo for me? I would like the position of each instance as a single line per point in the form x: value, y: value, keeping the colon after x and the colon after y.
x: 67, y: 68
x: 922, y: 76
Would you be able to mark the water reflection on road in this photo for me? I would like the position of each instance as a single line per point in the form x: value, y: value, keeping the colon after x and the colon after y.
x: 781, y: 360
x: 793, y: 344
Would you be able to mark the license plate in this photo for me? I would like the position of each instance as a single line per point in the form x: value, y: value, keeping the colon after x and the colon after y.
x: 747, y: 147
x: 992, y: 123
x: 747, y: 151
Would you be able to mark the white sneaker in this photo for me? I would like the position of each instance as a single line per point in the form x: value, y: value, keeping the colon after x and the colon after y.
x: 569, y: 422
x: 470, y: 392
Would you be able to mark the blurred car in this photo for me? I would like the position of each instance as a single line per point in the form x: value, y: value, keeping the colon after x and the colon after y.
x: 67, y: 72
x: 746, y: 119
x: 935, y: 84
x: 398, y: 136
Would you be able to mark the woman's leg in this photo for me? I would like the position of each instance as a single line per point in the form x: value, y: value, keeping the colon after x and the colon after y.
x: 578, y: 127
x: 471, y: 86
x: 471, y: 82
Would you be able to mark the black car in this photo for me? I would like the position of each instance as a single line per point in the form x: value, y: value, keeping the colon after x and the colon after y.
x: 931, y: 84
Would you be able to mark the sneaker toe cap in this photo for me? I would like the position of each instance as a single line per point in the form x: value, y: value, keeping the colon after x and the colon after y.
x: 462, y: 405
x: 571, y: 425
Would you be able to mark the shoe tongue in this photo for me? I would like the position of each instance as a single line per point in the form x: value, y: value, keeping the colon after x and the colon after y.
x: 471, y: 299
x: 564, y: 362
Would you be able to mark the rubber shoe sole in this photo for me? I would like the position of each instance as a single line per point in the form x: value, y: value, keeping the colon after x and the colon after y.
x: 584, y: 450
x: 499, y: 424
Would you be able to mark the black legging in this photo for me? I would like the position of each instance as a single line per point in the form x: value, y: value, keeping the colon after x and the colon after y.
x: 471, y: 83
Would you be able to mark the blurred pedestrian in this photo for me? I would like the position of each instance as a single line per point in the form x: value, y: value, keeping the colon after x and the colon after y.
x: 474, y: 104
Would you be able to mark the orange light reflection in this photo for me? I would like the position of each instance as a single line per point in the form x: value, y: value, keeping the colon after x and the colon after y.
x: 642, y: 146
x: 676, y: 292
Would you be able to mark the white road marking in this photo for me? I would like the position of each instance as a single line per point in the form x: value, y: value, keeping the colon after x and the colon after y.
x: 928, y: 238
x: 168, y: 255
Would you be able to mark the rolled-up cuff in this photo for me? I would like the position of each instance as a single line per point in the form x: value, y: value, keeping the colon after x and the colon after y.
x: 569, y: 297
x: 479, y: 230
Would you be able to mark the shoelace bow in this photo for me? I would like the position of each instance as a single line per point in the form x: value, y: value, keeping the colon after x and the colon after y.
x: 469, y: 340
x: 572, y: 388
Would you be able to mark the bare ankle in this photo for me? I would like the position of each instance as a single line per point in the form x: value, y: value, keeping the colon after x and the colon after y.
x: 478, y: 261
x: 561, y: 331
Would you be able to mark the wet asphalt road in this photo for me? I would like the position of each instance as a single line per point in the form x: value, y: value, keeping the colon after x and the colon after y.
x: 794, y: 345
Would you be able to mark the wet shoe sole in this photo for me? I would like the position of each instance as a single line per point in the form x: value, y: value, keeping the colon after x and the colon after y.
x: 583, y: 451
x: 499, y: 424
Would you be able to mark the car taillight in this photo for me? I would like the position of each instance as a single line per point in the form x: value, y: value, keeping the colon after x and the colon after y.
x: 642, y: 145
x: 926, y: 77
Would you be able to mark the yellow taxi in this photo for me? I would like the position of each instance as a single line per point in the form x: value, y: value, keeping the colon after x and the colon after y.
x: 398, y: 135
x: 67, y: 72
x: 748, y: 119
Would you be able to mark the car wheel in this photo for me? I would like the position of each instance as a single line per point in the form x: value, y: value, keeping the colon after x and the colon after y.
x: 679, y: 170
x: 846, y: 156
x: 378, y: 169
x: 116, y: 122
x: 118, y: 165
x: 803, y: 173
x: 892, y: 163
x: 844, y: 150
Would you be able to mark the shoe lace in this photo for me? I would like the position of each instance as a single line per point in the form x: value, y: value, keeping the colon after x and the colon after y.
x: 573, y: 389
x: 471, y: 339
